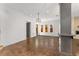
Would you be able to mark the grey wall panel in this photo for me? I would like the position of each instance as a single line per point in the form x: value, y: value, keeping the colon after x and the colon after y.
x: 28, y: 32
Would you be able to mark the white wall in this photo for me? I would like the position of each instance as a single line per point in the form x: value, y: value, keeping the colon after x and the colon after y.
x: 33, y: 29
x: 56, y: 27
x: 14, y: 28
x: 13, y: 24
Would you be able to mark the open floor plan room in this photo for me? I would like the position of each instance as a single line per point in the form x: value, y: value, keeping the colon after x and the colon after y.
x: 39, y: 29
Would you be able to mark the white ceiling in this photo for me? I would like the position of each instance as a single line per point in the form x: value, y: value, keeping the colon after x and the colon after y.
x: 46, y: 10
x: 75, y: 9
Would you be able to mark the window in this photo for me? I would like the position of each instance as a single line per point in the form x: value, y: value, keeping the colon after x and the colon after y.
x: 46, y: 28
x: 51, y: 28
x: 41, y: 28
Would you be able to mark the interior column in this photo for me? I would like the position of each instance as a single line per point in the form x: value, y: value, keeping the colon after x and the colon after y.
x: 65, y: 29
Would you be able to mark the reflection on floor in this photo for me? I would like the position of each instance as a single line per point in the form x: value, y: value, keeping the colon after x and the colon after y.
x: 75, y: 46
x: 38, y: 46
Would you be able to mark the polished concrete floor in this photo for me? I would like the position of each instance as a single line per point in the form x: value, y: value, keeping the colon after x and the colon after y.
x: 38, y: 46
